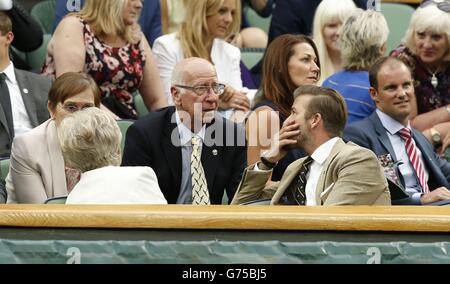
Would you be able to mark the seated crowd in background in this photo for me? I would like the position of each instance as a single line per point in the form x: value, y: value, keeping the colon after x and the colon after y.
x: 195, y: 159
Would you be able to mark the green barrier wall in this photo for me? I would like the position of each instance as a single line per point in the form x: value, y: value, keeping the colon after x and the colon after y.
x: 220, y: 252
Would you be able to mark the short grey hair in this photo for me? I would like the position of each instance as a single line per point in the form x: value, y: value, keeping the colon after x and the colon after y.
x: 431, y: 19
x: 90, y: 139
x: 363, y: 35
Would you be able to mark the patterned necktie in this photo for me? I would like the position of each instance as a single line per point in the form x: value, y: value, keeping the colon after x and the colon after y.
x: 200, y: 194
x: 297, y: 194
x: 5, y: 101
x: 413, y: 155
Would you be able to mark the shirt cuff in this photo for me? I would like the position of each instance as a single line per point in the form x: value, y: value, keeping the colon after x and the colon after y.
x: 416, y: 198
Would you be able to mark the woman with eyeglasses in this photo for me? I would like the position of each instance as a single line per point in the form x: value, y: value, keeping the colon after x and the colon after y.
x: 427, y: 52
x: 202, y: 35
x: 290, y: 61
x: 37, y: 171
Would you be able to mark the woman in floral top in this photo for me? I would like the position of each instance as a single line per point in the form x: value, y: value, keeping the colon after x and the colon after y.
x: 427, y: 52
x: 105, y: 41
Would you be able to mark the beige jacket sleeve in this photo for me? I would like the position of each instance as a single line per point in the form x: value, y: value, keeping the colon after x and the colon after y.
x: 253, y: 186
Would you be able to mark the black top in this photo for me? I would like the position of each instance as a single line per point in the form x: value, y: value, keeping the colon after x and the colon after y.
x: 290, y: 157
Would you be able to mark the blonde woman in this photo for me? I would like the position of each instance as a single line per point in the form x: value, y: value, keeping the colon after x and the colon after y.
x: 362, y: 42
x: 90, y: 143
x: 105, y: 41
x: 328, y: 20
x: 202, y: 36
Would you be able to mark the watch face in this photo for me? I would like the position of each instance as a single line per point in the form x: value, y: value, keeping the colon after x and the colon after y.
x: 436, y: 138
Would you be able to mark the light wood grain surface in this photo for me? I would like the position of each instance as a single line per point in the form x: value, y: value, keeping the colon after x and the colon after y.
x: 348, y: 218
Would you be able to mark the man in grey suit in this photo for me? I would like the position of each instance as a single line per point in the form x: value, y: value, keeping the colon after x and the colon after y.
x: 334, y: 173
x: 387, y: 132
x: 23, y: 95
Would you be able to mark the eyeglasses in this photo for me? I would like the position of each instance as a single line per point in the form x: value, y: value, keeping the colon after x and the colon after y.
x: 442, y: 5
x: 73, y: 107
x: 218, y: 89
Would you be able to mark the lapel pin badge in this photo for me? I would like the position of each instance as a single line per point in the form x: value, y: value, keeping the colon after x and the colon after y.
x: 215, y: 152
x: 25, y: 91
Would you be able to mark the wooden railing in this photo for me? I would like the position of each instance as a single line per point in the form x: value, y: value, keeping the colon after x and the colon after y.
x: 344, y: 218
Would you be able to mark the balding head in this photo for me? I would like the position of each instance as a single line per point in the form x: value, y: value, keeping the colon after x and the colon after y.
x: 189, y: 68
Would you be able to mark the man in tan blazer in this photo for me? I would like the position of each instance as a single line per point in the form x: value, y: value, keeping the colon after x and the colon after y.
x: 337, y: 173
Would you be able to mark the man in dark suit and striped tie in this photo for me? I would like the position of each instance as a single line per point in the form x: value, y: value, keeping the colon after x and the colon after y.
x: 424, y: 176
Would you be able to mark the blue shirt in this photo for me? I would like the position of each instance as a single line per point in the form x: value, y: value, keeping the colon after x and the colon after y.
x: 354, y: 87
x: 150, y: 19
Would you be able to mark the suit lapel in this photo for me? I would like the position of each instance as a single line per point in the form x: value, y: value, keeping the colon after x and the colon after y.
x: 321, y: 182
x: 288, y: 176
x: 211, y: 155
x: 59, y: 186
x: 30, y: 106
x: 172, y: 150
x: 382, y: 136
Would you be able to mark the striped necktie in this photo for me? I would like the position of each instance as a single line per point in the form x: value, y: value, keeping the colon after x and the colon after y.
x: 200, y: 194
x: 5, y: 102
x: 296, y: 194
x: 413, y: 155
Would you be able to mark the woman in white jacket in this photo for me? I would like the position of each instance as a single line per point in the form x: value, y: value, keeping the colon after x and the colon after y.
x: 207, y: 23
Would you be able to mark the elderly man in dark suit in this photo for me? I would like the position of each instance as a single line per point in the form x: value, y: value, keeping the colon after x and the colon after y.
x: 424, y: 176
x: 195, y: 153
x: 23, y: 95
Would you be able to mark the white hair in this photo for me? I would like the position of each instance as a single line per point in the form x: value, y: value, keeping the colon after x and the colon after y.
x: 329, y: 11
x: 90, y: 139
x: 431, y: 19
x: 363, y: 36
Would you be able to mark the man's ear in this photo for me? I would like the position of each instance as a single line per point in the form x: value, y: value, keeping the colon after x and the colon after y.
x: 374, y: 94
x: 9, y: 38
x: 316, y: 119
x: 176, y: 95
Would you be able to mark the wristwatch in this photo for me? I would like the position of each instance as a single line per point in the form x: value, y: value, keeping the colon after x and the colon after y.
x: 268, y: 163
x: 435, y: 137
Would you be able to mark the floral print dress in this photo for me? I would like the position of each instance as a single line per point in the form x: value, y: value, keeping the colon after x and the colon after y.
x: 118, y: 71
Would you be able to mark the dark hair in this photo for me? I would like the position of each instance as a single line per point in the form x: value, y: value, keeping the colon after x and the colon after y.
x: 329, y: 103
x: 277, y: 86
x: 70, y: 84
x: 376, y: 67
x: 5, y: 23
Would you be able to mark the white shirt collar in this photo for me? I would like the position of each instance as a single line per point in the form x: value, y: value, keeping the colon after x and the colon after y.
x: 390, y: 124
x: 321, y: 154
x: 185, y: 133
x: 10, y: 74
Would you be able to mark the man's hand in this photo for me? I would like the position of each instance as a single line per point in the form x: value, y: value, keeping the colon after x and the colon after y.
x: 232, y: 98
x: 280, y: 142
x: 438, y: 194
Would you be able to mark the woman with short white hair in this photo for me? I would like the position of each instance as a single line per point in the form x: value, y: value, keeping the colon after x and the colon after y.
x: 90, y: 143
x: 362, y: 41
x: 427, y: 52
x: 328, y: 20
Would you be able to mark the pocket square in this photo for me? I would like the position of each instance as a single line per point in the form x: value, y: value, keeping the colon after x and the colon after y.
x: 326, y: 191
